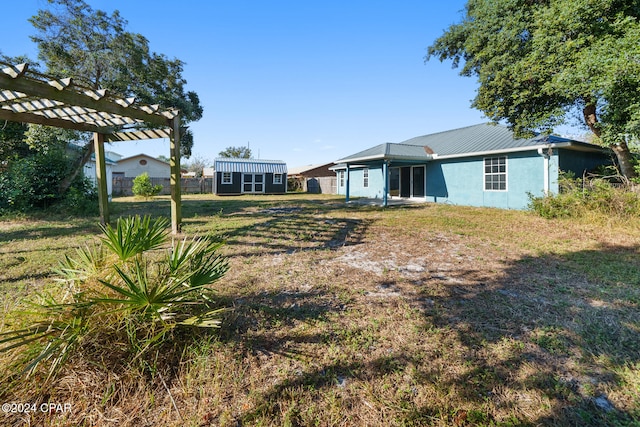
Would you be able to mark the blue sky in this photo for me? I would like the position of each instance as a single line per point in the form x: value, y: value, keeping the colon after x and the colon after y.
x: 301, y: 81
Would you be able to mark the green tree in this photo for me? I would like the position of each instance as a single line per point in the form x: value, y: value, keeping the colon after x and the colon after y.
x: 12, y: 134
x: 34, y: 181
x: 236, y: 153
x: 196, y: 164
x: 142, y: 186
x: 544, y: 63
x: 94, y: 48
x: 12, y: 142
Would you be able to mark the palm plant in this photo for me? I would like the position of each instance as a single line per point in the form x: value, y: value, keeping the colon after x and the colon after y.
x: 125, y: 284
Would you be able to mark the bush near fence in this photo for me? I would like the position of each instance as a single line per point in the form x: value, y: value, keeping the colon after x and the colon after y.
x: 123, y: 186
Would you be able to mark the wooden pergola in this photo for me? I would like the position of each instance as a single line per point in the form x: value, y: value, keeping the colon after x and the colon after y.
x: 30, y: 97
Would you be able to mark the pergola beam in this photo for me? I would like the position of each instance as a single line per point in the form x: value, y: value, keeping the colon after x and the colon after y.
x: 34, y: 98
x: 138, y: 135
x: 44, y: 90
x: 46, y: 121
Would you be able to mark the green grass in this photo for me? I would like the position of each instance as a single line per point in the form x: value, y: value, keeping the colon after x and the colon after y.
x: 357, y: 315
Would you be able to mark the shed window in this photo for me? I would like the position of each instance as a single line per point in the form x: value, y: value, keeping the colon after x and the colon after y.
x: 365, y: 177
x: 277, y: 178
x: 341, y: 178
x: 495, y: 174
x: 226, y: 178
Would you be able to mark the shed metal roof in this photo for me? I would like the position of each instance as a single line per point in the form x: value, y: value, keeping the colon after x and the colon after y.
x: 249, y: 165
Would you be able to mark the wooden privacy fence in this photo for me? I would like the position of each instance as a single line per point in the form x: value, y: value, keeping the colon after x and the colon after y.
x: 122, y: 185
x: 321, y: 185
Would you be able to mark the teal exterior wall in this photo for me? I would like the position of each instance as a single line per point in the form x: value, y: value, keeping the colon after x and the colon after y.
x: 357, y: 189
x: 580, y: 161
x: 460, y: 180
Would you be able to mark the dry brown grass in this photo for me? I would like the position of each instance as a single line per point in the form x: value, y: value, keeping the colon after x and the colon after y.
x: 418, y: 315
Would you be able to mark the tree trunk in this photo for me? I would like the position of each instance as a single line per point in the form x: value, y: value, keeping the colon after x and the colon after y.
x: 77, y: 168
x: 625, y: 159
x: 621, y: 149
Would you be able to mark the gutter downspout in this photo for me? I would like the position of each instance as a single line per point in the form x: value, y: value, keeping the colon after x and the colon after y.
x: 545, y: 154
x: 385, y: 191
x: 347, y: 185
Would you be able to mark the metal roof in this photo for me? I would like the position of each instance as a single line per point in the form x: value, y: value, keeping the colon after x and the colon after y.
x: 487, y: 138
x: 468, y: 141
x: 390, y: 151
x: 249, y: 165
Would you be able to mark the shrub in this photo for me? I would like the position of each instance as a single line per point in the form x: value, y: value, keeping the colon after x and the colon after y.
x: 142, y: 186
x: 80, y: 199
x: 33, y: 182
x: 124, y: 291
x: 595, y: 196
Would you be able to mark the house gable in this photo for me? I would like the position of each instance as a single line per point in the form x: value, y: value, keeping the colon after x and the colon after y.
x: 136, y: 165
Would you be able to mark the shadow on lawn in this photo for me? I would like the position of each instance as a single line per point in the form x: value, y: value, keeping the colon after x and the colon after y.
x: 550, y: 335
x: 47, y: 230
x: 554, y: 311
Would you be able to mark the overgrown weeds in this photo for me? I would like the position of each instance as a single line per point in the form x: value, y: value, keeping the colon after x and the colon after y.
x: 414, y: 315
x: 125, y: 291
x: 578, y: 198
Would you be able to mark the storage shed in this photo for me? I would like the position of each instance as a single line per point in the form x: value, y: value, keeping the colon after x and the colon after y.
x: 249, y: 176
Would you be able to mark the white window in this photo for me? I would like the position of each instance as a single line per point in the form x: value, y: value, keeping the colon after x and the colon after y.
x: 226, y: 178
x: 365, y: 177
x: 341, y: 178
x: 277, y: 178
x: 495, y: 174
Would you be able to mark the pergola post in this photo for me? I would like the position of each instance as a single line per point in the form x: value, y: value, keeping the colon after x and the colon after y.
x: 27, y: 97
x: 176, y: 192
x: 101, y: 176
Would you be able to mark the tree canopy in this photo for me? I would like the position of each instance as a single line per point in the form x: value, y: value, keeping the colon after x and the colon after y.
x: 95, y: 49
x: 236, y: 153
x: 543, y: 63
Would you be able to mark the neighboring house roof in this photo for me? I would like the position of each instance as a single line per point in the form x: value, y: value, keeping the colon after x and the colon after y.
x: 468, y: 141
x: 304, y: 170
x: 145, y: 156
x: 249, y: 165
x: 107, y: 160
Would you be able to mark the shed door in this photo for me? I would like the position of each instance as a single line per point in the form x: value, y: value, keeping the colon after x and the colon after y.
x: 258, y: 183
x: 252, y: 183
x: 247, y: 183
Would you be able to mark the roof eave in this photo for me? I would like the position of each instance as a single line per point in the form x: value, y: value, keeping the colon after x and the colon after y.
x: 567, y: 144
x: 384, y: 157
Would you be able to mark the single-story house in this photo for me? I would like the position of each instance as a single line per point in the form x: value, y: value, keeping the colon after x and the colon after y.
x: 130, y: 167
x: 481, y: 165
x: 249, y: 176
x: 89, y: 171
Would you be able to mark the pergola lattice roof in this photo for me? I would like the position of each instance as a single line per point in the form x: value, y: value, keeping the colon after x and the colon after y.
x: 27, y: 96
x: 30, y: 97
